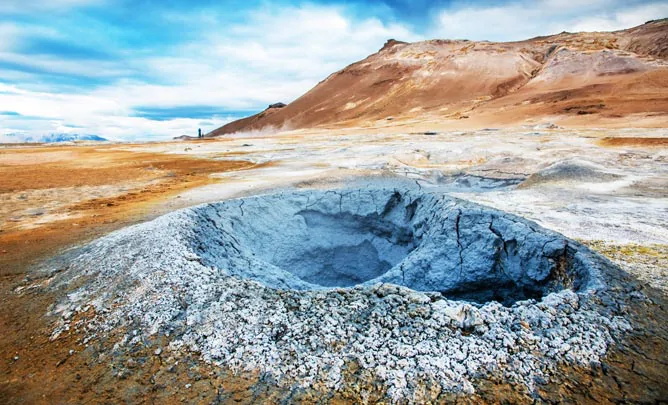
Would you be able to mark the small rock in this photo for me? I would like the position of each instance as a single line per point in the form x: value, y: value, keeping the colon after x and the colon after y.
x: 547, y: 125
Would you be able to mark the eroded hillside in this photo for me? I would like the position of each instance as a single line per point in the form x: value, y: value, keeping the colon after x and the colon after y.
x: 582, y: 78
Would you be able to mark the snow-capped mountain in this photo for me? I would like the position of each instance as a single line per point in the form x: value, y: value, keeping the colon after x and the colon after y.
x: 50, y: 138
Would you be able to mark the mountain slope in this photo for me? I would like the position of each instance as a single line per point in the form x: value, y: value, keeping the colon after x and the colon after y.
x: 612, y: 74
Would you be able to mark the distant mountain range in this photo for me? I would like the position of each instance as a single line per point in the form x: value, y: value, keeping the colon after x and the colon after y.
x: 50, y: 138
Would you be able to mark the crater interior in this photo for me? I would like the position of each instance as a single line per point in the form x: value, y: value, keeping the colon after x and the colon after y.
x: 423, y: 241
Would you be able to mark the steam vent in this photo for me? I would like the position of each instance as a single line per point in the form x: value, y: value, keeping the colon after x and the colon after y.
x: 417, y: 292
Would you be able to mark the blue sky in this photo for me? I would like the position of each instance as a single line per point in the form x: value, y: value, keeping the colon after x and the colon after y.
x: 154, y: 69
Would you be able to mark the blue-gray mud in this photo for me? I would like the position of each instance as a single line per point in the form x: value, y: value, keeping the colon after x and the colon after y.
x: 420, y: 240
x: 415, y: 287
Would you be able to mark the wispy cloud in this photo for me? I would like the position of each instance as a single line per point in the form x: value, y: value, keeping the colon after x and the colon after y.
x: 517, y: 20
x: 228, y: 73
x: 25, y: 7
x: 125, y: 69
x: 201, y: 112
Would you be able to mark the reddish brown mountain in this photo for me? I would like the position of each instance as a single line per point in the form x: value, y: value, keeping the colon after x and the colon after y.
x: 601, y: 74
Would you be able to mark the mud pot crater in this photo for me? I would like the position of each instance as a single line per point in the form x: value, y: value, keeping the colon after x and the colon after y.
x: 423, y: 242
x: 411, y: 287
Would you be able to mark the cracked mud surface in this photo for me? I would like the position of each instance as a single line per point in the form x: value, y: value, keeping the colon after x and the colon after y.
x: 190, y: 281
x: 623, y: 218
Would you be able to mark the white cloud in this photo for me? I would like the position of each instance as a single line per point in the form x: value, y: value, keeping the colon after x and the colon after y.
x: 525, y: 19
x: 54, y: 64
x: 12, y: 34
x: 317, y: 40
x: 30, y: 6
x: 44, y: 113
x: 276, y: 55
x: 9, y: 33
x: 623, y: 18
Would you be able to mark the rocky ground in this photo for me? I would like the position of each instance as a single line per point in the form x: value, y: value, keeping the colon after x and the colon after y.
x: 604, y: 188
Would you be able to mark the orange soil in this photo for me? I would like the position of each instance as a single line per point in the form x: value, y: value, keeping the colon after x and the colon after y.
x: 35, y: 168
x: 32, y: 369
x: 640, y: 142
x: 35, y: 370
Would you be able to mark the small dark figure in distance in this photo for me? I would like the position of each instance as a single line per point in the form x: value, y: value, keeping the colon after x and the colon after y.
x: 199, y: 132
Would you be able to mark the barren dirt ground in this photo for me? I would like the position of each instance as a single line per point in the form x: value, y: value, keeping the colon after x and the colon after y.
x: 54, y: 197
x: 607, y: 188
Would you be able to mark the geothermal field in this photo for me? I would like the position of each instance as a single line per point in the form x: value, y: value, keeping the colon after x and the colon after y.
x: 515, y: 263
x: 511, y: 247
